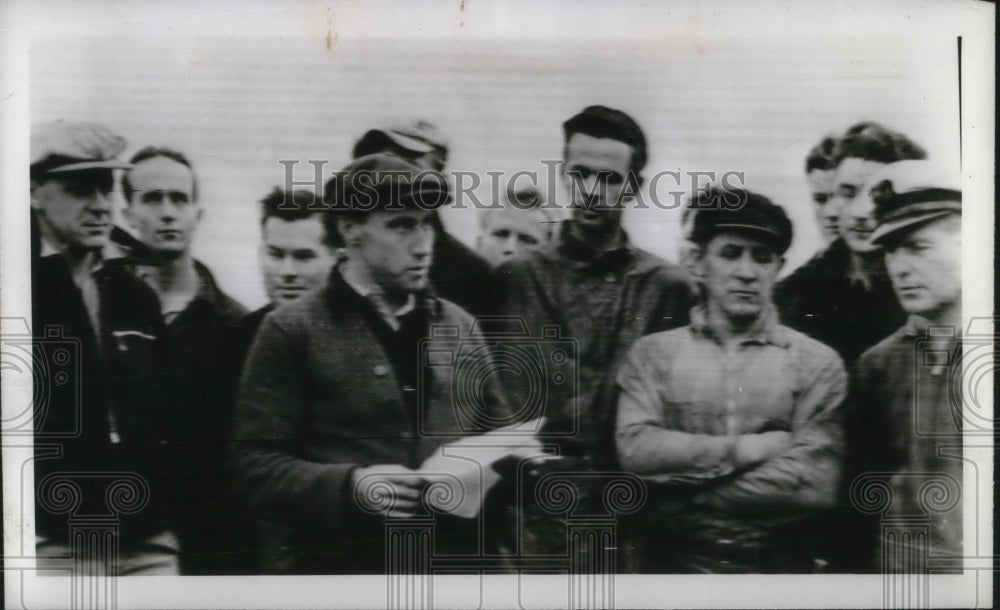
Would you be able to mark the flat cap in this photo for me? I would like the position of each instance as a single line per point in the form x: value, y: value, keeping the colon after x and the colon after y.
x: 721, y: 210
x: 382, y: 181
x: 65, y: 146
x: 910, y: 193
x: 604, y: 122
x: 416, y: 136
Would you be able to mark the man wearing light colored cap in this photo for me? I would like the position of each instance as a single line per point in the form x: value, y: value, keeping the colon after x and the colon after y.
x: 734, y: 419
x: 907, y: 390
x: 457, y: 272
x: 337, y: 401
x: 113, y: 413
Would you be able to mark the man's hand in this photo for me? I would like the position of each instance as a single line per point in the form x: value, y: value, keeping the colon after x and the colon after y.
x: 752, y: 450
x: 391, y: 489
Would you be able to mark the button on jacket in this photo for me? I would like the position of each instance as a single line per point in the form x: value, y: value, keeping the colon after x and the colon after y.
x: 323, y: 393
x: 683, y: 397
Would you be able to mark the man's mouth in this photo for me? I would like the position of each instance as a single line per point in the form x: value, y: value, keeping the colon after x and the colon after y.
x: 169, y: 234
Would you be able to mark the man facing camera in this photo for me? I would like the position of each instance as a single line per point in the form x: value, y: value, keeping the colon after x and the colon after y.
x: 523, y: 223
x: 336, y: 400
x: 734, y: 417
x: 906, y: 405
x: 105, y: 431
x: 295, y: 256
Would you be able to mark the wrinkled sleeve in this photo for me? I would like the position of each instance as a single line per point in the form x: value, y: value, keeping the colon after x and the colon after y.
x: 808, y: 473
x: 269, y: 415
x: 645, y: 445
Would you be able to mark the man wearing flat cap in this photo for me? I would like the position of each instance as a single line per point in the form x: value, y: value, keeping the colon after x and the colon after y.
x: 457, y: 272
x: 107, y: 425
x: 733, y: 419
x: 336, y: 399
x: 906, y: 392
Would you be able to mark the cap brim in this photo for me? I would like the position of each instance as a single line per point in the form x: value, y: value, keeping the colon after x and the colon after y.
x: 84, y: 165
x: 906, y: 222
x: 409, y: 143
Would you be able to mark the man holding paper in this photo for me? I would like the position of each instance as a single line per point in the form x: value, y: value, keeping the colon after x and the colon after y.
x: 347, y: 390
x: 734, y: 417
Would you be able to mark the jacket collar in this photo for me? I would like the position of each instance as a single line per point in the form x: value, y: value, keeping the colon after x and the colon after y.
x: 919, y: 326
x: 621, y: 255
x: 339, y: 293
x: 767, y: 330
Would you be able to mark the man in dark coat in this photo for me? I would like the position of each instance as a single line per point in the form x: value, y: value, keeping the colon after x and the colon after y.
x: 338, y: 400
x: 906, y: 392
x: 162, y: 204
x: 105, y: 427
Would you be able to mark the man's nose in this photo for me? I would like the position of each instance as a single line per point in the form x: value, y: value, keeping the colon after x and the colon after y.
x: 423, y: 242
x: 287, y: 267
x: 99, y: 202
x: 745, y: 268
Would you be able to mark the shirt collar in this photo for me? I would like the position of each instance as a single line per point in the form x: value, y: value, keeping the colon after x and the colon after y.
x: 767, y: 329
x: 389, y: 314
x: 919, y: 326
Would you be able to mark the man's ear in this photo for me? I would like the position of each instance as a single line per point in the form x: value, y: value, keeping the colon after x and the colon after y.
x: 696, y: 262
x: 781, y: 263
x: 350, y: 230
x: 34, y: 200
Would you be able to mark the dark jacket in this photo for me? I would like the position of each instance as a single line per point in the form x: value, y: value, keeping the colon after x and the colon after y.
x: 905, y: 415
x: 594, y: 311
x: 123, y: 370
x: 320, y: 396
x: 820, y: 300
x: 461, y: 276
x: 206, y: 337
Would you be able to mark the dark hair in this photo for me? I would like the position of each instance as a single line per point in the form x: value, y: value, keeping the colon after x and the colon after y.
x: 604, y: 122
x: 151, y: 152
x: 297, y: 204
x: 821, y: 156
x: 873, y: 142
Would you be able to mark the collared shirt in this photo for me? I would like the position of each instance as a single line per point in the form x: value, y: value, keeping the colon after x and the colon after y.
x: 390, y: 314
x: 684, y: 397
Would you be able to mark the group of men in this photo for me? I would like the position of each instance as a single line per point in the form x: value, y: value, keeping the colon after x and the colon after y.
x: 261, y: 434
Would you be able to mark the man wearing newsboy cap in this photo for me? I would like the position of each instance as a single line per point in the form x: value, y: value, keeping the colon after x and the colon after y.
x: 106, y: 425
x: 907, y: 390
x: 734, y: 418
x: 345, y: 392
x: 457, y: 273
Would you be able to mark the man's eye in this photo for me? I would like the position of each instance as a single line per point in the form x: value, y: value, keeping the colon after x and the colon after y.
x: 275, y: 254
x: 527, y: 239
x: 179, y: 198
x: 821, y: 198
x: 581, y: 172
x: 304, y: 255
x: 763, y: 256
x: 501, y: 233
x: 730, y: 252
x: 403, y: 224
x: 613, y: 178
x: 152, y: 197
x: 847, y: 191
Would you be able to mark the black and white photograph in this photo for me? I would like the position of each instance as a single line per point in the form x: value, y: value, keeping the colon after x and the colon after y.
x: 466, y: 304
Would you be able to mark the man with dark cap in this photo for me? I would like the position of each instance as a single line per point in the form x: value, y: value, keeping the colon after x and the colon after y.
x: 457, y: 273
x: 734, y: 419
x: 104, y: 430
x: 846, y: 283
x: 162, y: 204
x: 906, y: 394
x: 336, y: 400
